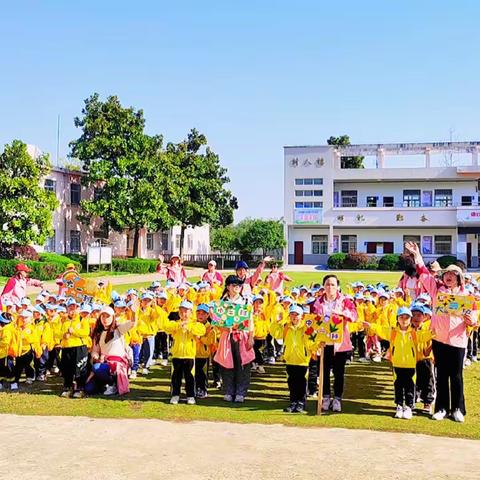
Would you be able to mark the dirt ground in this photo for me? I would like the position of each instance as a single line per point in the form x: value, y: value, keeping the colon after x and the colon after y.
x: 79, y: 448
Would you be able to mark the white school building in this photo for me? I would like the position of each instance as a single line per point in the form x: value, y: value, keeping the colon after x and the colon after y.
x: 422, y: 192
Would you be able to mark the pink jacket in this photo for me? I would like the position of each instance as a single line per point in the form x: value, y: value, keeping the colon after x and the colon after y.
x: 250, y: 281
x: 211, y: 278
x: 176, y: 275
x: 347, y: 309
x: 16, y: 288
x: 224, y: 356
x: 275, y: 281
x: 419, y: 287
x: 448, y: 329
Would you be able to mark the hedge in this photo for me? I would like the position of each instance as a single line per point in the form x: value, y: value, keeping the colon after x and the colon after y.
x: 42, y: 270
x: 446, y: 260
x: 389, y: 262
x: 134, y: 265
x: 336, y: 261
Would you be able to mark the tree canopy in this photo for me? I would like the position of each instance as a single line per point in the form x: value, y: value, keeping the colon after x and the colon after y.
x: 26, y: 208
x: 347, y: 161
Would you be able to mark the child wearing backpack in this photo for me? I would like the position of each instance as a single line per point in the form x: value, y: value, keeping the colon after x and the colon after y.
x: 404, y: 342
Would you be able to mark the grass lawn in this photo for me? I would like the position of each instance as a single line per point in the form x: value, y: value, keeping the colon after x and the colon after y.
x: 368, y: 403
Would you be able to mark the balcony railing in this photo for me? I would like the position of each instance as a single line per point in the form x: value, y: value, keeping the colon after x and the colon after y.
x: 405, y: 205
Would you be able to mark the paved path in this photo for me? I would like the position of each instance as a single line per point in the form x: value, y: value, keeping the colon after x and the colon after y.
x: 79, y: 448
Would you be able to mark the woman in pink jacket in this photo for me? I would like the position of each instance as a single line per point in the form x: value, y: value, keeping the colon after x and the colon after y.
x: 276, y: 278
x: 332, y: 302
x: 16, y: 287
x: 174, y: 272
x: 450, y: 337
x: 235, y: 352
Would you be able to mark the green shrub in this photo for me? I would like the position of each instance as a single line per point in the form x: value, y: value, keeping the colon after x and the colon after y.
x: 134, y: 265
x: 446, y: 260
x: 390, y: 262
x: 336, y: 261
x: 356, y: 261
x: 43, y: 270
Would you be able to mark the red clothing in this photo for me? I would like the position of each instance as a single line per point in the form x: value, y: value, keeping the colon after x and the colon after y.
x: 16, y: 288
x: 212, y: 277
x: 275, y: 281
x: 174, y: 273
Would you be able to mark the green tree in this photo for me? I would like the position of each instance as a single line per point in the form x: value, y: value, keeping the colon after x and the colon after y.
x: 128, y: 169
x: 223, y: 239
x: 346, y: 162
x: 26, y: 208
x: 254, y: 234
x: 199, y: 195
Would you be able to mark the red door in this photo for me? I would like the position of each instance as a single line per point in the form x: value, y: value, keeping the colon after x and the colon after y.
x: 298, y: 258
x: 469, y: 255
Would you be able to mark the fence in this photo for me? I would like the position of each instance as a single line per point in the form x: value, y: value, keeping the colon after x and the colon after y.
x: 224, y: 261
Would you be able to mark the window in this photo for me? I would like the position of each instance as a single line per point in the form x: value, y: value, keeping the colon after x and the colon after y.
x: 412, y: 238
x: 308, y: 193
x: 74, y: 241
x: 317, y: 193
x: 50, y: 243
x: 387, y: 247
x: 319, y: 244
x: 308, y: 204
x: 299, y: 193
x: 309, y: 181
x: 466, y: 201
x: 349, y: 198
x: 299, y: 181
x: 443, y: 198
x: 349, y: 243
x: 164, y: 241
x: 103, y: 234
x: 388, y: 201
x: 177, y: 242
x: 318, y: 181
x: 190, y: 242
x: 317, y: 204
x: 75, y: 194
x: 443, y: 244
x: 371, y: 247
x: 50, y: 185
x: 149, y: 241
x: 299, y: 204
x: 372, y: 201
x: 411, y: 198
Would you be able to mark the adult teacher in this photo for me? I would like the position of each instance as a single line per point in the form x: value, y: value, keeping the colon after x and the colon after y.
x: 450, y: 337
x: 16, y: 287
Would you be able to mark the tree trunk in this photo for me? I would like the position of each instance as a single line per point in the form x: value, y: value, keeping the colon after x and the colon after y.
x: 182, y: 237
x: 136, y: 242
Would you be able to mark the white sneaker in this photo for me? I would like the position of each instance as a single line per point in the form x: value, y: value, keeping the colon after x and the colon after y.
x: 79, y: 394
x: 145, y: 371
x: 29, y: 381
x: 260, y: 369
x: 457, y: 415
x: 1, y: 386
x: 164, y: 362
x: 474, y: 358
x: 364, y: 360
x: 110, y: 390
x: 407, y: 413
x: 326, y: 404
x: 399, y: 412
x: 153, y: 362
x: 191, y: 401
x: 133, y: 374
x: 468, y: 362
x: 228, y: 398
x: 377, y: 359
x: 14, y: 387
x: 55, y: 370
x: 239, y: 399
x: 336, y: 405
x: 174, y: 400
x: 253, y: 368
x: 440, y: 415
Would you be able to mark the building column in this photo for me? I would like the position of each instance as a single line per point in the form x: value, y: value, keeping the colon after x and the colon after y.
x: 475, y: 156
x: 427, y: 157
x: 461, y: 247
x: 285, y: 248
x: 380, y: 158
x: 330, y: 239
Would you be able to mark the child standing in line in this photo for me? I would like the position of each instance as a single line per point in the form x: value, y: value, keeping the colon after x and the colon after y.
x: 260, y: 332
x: 7, y: 333
x: 184, y: 333
x: 45, y: 338
x: 298, y: 348
x: 203, y: 353
x: 403, y: 352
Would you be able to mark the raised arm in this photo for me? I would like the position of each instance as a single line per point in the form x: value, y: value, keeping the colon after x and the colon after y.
x: 426, y: 278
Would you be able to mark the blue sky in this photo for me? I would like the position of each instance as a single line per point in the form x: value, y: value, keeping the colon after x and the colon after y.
x: 252, y: 76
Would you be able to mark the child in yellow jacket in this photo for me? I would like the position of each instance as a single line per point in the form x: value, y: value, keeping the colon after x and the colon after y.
x: 260, y: 332
x: 184, y: 333
x: 147, y: 325
x: 26, y: 343
x: 161, y: 338
x: 45, y: 338
x: 403, y: 352
x: 7, y: 333
x: 299, y: 343
x: 203, y: 351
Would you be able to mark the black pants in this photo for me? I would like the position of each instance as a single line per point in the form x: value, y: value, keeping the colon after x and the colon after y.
x: 258, y: 346
x: 358, y: 340
x: 201, y: 374
x: 74, y: 366
x: 54, y: 356
x: 216, y: 371
x: 449, y: 365
x: 161, y: 346
x: 336, y: 362
x: 297, y: 382
x: 41, y: 363
x: 183, y: 368
x: 313, y: 368
x: 24, y: 362
x: 404, y: 385
x: 425, y: 385
x: 6, y: 369
x: 472, y: 347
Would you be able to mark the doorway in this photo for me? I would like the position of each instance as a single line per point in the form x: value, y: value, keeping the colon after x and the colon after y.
x: 298, y: 253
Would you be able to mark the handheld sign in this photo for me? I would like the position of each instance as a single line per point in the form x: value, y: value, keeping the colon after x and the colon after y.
x: 230, y: 315
x: 328, y: 330
x: 453, y: 304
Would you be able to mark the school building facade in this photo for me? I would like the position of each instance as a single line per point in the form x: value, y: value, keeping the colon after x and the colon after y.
x: 71, y: 236
x: 422, y: 192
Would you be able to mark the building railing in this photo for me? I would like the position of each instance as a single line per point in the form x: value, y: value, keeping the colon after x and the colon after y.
x: 405, y: 205
x: 224, y: 261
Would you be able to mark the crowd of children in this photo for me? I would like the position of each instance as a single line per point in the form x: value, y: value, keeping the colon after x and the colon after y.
x: 96, y: 347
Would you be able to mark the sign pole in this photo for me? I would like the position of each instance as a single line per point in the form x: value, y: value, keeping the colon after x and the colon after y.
x: 320, y: 379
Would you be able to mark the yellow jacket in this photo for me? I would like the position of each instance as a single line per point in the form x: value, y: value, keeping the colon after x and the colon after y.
x: 424, y: 348
x: 26, y: 339
x: 7, y: 337
x: 205, y: 342
x: 184, y: 338
x: 80, y: 332
x: 45, y: 334
x: 147, y: 321
x: 260, y: 325
x: 161, y: 317
x: 173, y: 303
x: 297, y: 343
x: 403, y: 344
x: 387, y: 315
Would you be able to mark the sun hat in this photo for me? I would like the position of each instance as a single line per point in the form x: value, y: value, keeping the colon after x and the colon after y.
x: 404, y: 311
x: 186, y: 304
x: 296, y: 309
